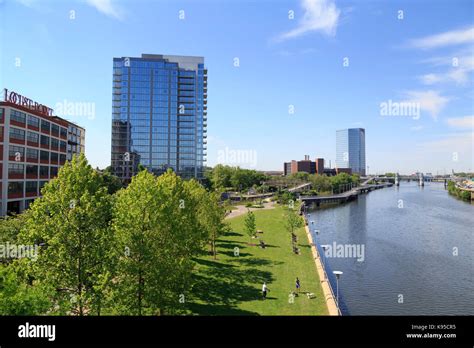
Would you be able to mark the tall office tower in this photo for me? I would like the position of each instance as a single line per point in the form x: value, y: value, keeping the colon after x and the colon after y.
x: 350, y: 149
x: 159, y: 115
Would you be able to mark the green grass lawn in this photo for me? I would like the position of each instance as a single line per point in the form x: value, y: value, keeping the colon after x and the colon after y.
x: 231, y: 285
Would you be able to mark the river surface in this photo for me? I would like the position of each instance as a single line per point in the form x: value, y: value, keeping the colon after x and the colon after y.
x: 418, y: 251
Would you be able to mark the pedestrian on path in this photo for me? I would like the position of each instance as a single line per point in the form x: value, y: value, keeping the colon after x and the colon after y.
x: 298, y: 285
x: 264, y: 290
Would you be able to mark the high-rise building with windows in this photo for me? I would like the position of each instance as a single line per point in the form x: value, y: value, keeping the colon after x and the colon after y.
x: 159, y: 115
x: 350, y: 149
x: 34, y: 145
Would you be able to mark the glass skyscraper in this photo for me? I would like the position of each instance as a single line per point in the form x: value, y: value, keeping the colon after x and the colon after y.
x: 159, y: 115
x: 350, y: 149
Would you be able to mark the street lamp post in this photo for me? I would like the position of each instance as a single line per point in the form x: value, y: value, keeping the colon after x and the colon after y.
x: 316, y: 244
x: 324, y: 263
x: 337, y: 274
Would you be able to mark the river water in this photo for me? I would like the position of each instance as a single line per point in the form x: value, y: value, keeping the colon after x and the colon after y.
x: 418, y: 251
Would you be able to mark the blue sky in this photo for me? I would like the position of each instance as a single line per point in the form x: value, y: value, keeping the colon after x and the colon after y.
x: 332, y: 62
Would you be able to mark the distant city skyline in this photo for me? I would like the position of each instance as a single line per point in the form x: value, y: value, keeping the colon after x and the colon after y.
x: 285, y: 76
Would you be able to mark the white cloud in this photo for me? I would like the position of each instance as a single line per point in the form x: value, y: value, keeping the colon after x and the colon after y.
x: 430, y: 79
x: 454, y: 37
x: 27, y: 3
x: 461, y: 122
x: 319, y: 16
x: 106, y: 7
x: 460, y: 143
x: 430, y: 101
x: 461, y: 67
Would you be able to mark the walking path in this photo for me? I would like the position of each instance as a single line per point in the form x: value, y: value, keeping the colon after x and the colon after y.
x: 242, y: 209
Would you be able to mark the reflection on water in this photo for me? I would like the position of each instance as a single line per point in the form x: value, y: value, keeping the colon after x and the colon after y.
x: 408, y: 251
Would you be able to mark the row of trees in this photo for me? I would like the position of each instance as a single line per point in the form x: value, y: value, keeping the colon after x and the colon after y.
x: 323, y: 183
x: 128, y: 253
x: 223, y: 177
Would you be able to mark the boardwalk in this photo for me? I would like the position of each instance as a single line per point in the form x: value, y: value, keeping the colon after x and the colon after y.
x: 342, y: 197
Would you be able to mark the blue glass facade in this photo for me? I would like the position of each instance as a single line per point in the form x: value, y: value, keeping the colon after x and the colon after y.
x: 159, y: 109
x: 350, y: 149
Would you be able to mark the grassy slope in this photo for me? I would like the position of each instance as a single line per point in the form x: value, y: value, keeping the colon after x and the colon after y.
x: 231, y: 285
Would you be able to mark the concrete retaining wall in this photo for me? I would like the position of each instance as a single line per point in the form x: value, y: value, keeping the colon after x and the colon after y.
x: 328, y: 295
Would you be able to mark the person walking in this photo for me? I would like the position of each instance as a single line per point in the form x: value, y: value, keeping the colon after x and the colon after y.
x: 298, y: 285
x: 264, y: 290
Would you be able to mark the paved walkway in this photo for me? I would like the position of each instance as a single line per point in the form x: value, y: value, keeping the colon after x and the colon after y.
x: 242, y: 209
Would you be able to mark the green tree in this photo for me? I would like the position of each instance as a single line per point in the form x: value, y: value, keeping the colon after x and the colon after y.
x: 155, y: 223
x: 112, y: 182
x: 71, y: 222
x: 19, y: 298
x: 320, y: 183
x: 287, y: 198
x: 340, y: 181
x: 293, y: 221
x: 211, y: 214
x: 10, y: 227
x: 301, y: 176
x: 250, y: 224
x: 220, y: 176
x: 355, y: 179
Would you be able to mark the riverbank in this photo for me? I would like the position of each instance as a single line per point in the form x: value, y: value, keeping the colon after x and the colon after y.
x: 465, y: 194
x: 326, y: 287
x: 231, y: 285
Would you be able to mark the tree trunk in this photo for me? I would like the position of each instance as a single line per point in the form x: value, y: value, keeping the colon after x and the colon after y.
x: 140, y: 292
